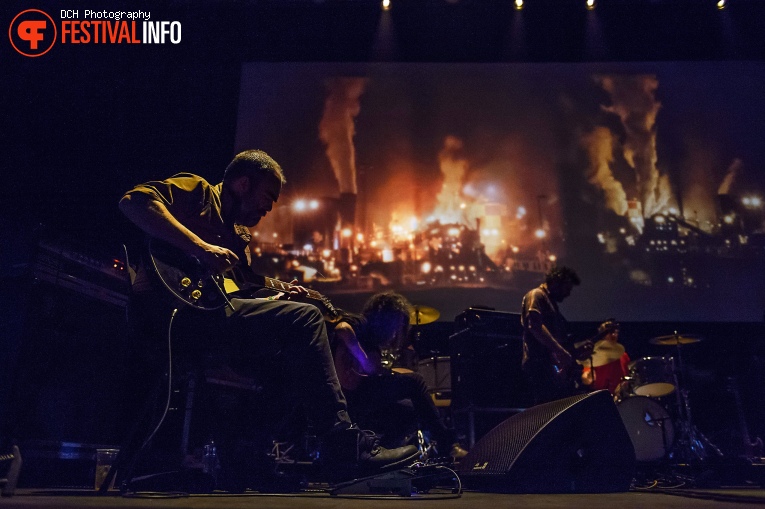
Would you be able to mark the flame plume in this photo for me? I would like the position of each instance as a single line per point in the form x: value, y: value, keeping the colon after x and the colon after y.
x: 634, y: 102
x: 453, y: 167
x: 600, y: 147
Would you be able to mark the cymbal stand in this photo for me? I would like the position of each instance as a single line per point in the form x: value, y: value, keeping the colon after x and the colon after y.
x: 692, y: 444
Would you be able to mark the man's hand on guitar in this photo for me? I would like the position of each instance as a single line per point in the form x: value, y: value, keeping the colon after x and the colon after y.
x: 296, y: 291
x: 563, y: 361
x: 216, y: 258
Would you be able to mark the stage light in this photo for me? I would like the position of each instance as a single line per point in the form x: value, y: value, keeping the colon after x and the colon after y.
x: 385, y: 5
x: 721, y: 4
x: 518, y: 5
x: 299, y: 205
x: 590, y: 4
x: 540, y: 233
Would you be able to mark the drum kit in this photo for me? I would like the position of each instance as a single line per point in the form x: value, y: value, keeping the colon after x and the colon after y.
x: 435, y: 369
x: 651, y: 399
x: 660, y: 425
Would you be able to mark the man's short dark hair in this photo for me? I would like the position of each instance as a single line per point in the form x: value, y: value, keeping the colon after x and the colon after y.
x: 561, y: 274
x: 254, y: 164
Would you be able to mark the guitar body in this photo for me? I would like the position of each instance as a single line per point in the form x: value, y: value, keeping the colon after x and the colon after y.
x: 568, y: 379
x: 186, y: 278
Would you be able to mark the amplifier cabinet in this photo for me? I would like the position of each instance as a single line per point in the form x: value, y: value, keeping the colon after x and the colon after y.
x: 486, y: 370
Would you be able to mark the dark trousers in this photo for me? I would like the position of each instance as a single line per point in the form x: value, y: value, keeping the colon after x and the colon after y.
x: 295, y: 336
x: 544, y: 384
x: 395, y: 405
x: 284, y: 341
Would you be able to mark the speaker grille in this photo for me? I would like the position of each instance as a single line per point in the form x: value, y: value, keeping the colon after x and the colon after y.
x: 577, y: 444
x: 514, y: 437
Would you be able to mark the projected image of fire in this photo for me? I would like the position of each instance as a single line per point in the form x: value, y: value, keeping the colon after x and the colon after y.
x: 497, y: 219
x: 654, y: 221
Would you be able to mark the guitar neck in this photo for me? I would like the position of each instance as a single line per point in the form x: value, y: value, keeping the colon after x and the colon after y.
x: 281, y: 286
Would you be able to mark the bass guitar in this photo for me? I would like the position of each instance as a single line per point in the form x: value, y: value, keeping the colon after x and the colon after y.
x: 568, y: 376
x: 191, y: 282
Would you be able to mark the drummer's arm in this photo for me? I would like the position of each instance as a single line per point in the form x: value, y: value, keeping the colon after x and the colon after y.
x: 625, y: 362
x: 546, y: 339
x: 344, y: 332
x: 587, y: 376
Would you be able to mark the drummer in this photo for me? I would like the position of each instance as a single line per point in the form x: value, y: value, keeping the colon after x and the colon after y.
x: 609, y: 360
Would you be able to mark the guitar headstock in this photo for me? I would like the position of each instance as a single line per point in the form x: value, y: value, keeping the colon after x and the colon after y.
x: 331, y: 311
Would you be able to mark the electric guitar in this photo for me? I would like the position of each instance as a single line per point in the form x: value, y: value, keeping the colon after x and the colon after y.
x: 568, y: 376
x: 191, y: 282
x: 350, y: 374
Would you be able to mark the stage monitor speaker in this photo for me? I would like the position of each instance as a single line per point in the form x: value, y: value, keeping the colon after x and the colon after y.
x: 573, y: 445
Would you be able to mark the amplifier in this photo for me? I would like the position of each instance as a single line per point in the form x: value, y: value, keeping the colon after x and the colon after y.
x: 490, y: 323
x: 486, y: 370
x: 99, y: 276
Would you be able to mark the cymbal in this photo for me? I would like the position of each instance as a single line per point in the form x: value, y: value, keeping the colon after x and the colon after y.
x: 604, y: 352
x: 421, y: 315
x: 675, y: 339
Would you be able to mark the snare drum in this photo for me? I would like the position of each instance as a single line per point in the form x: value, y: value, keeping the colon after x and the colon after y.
x: 649, y: 426
x: 653, y: 376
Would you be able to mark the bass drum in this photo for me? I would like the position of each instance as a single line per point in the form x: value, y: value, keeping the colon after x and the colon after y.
x: 649, y: 426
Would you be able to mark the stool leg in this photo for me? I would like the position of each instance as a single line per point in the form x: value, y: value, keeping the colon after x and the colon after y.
x: 187, y: 414
x: 130, y: 452
x: 12, y: 477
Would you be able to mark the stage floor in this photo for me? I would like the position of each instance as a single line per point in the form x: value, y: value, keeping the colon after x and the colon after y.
x: 668, y: 499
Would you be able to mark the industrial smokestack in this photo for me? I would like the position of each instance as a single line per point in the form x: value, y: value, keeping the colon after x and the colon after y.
x: 346, y: 207
x: 337, y: 128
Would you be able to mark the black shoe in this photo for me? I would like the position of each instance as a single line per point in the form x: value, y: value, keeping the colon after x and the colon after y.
x: 353, y: 452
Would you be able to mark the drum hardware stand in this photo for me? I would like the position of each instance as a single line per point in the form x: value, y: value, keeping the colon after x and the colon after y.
x: 692, y: 443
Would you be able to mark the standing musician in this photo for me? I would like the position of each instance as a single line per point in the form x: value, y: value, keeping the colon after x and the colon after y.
x: 609, y: 360
x: 210, y: 222
x: 397, y: 403
x: 549, y: 361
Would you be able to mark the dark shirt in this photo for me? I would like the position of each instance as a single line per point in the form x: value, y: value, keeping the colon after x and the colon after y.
x: 196, y: 204
x: 539, y: 301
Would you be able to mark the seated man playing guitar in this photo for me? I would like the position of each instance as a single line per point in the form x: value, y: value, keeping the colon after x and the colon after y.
x: 549, y: 357
x: 397, y: 403
x: 210, y: 223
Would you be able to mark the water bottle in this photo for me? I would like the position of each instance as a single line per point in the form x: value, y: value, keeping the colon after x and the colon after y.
x: 210, y: 463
